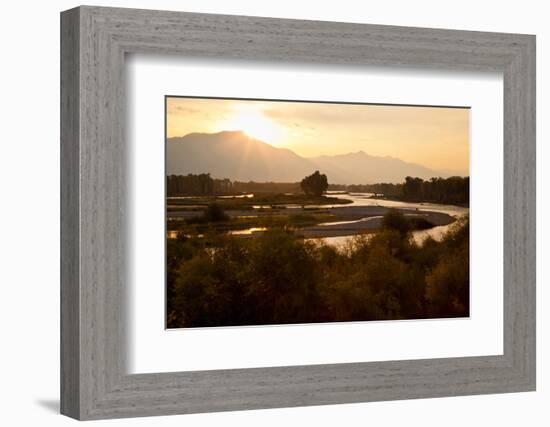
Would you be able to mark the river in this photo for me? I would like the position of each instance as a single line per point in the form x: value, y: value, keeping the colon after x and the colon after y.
x: 364, y: 199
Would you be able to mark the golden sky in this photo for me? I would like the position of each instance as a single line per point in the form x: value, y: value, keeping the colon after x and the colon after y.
x: 434, y: 137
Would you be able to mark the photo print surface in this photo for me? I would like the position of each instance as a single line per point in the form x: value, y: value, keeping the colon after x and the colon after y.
x: 293, y: 212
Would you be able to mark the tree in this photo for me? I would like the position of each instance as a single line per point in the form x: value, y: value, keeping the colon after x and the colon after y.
x: 314, y: 184
x: 412, y: 189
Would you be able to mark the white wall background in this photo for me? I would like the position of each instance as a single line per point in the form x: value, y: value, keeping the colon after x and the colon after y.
x: 29, y: 213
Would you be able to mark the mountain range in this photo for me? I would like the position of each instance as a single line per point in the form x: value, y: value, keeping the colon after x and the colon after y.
x: 239, y: 157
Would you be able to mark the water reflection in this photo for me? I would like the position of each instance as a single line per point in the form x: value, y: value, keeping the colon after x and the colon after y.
x: 233, y: 196
x: 341, y: 242
x: 248, y: 231
x: 364, y: 199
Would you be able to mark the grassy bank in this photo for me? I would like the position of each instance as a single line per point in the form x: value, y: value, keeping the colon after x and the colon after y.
x: 202, y: 225
x: 244, y: 203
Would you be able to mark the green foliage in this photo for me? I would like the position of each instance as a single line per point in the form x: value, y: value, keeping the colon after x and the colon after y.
x: 447, y: 289
x: 279, y: 278
x: 447, y: 284
x: 287, y: 273
x: 315, y: 184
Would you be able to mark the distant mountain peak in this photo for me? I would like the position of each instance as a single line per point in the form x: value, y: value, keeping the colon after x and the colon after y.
x: 236, y: 155
x: 233, y: 133
x: 236, y: 132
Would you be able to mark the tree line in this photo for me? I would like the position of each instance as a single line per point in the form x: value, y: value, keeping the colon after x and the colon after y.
x: 196, y: 185
x: 453, y: 190
x: 266, y: 187
x: 204, y: 185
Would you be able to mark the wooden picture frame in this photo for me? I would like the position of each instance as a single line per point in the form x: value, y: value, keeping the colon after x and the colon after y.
x: 94, y: 41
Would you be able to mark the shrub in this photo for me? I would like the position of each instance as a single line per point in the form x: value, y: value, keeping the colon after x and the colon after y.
x: 214, y: 213
x: 395, y: 220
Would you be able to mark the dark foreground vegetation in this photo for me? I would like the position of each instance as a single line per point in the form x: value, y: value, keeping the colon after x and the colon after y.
x: 280, y: 278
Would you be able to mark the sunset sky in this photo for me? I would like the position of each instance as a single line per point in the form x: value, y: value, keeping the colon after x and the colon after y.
x: 437, y: 138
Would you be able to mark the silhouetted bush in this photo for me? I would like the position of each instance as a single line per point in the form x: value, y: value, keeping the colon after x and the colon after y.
x: 419, y: 223
x: 214, y: 213
x: 395, y: 220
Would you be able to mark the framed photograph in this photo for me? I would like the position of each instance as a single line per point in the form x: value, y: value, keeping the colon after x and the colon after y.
x: 336, y: 235
x: 262, y: 213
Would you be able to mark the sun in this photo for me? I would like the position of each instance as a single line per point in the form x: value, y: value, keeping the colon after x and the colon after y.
x: 255, y: 125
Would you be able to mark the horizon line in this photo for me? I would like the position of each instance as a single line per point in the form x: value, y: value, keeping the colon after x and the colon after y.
x: 312, y: 157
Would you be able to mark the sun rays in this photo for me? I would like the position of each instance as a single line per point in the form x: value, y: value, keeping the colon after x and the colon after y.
x: 437, y: 138
x: 255, y: 124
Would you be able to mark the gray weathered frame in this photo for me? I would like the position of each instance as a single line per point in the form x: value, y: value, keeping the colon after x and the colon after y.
x: 94, y: 41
